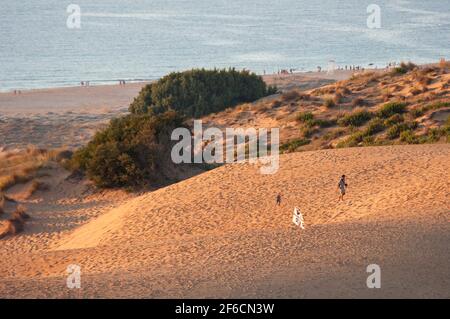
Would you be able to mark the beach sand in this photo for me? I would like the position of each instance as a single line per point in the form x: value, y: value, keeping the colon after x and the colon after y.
x: 61, y: 117
x: 220, y: 234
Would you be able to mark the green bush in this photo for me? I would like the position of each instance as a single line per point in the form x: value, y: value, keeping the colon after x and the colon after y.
x: 403, y: 68
x: 391, y: 108
x: 308, y: 131
x: 435, y: 134
x: 398, y: 71
x: 305, y: 117
x: 363, y: 137
x: 417, y: 112
x: 446, y: 129
x: 433, y: 106
x: 437, y: 105
x: 394, y: 119
x: 332, y: 134
x: 356, y: 118
x: 308, y: 119
x: 368, y: 140
x: 325, y: 123
x: 132, y: 151
x: 375, y: 126
x: 394, y: 131
x: 409, y: 137
x: 199, y: 92
x: 353, y: 140
x: 293, y: 145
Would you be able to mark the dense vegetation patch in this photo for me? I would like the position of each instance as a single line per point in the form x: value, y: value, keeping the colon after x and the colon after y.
x: 293, y: 145
x: 403, y: 68
x: 132, y: 151
x: 356, y: 118
x: 391, y: 108
x: 200, y: 92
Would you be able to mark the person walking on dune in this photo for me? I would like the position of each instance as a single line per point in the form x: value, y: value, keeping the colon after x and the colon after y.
x: 342, y: 185
x: 278, y: 199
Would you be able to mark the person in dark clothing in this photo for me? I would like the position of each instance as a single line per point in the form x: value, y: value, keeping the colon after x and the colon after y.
x: 342, y: 185
x: 279, y: 199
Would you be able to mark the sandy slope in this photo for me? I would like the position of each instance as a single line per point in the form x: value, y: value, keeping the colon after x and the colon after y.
x: 220, y: 234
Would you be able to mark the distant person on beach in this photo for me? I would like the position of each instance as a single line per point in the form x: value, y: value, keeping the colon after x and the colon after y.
x: 342, y: 185
x: 278, y: 199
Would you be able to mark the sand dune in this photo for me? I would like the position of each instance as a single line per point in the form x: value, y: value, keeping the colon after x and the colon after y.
x: 220, y: 234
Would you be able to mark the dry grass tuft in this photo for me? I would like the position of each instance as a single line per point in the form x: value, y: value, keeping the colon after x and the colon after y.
x: 343, y: 90
x: 36, y: 186
x: 358, y: 102
x: 18, y: 167
x: 20, y: 213
x: 276, y: 104
x: 4, y: 228
x: 15, y: 224
x: 386, y: 95
x: 292, y: 95
x: 11, y: 226
x: 329, y: 102
x: 2, y: 203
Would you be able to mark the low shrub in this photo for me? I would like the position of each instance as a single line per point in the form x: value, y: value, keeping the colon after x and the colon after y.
x: 292, y: 95
x: 391, y: 108
x: 375, y: 125
x: 293, y: 145
x: 394, y: 131
x: 329, y: 103
x: 353, y: 140
x: 409, y: 137
x: 324, y: 123
x: 394, y: 119
x: 304, y: 117
x: 417, y: 112
x: 333, y: 134
x: 276, y: 104
x: 403, y: 68
x: 308, y: 131
x: 132, y: 151
x: 358, y: 102
x: 356, y: 118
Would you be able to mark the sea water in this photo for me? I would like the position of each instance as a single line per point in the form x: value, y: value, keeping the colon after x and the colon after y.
x: 146, y: 39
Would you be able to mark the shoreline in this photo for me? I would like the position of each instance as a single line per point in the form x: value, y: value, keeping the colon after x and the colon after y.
x: 110, y: 97
x: 108, y: 83
x: 115, y: 82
